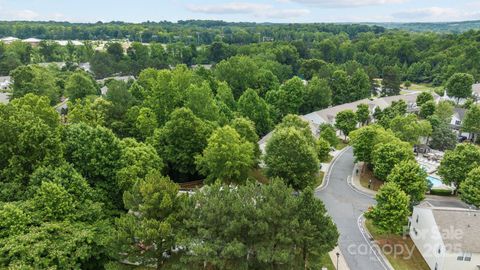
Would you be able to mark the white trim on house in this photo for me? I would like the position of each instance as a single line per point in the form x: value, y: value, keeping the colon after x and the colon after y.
x: 447, y: 238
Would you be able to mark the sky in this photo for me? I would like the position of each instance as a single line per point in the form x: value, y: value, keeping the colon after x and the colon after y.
x: 281, y: 11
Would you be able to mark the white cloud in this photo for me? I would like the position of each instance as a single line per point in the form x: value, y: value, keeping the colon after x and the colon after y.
x: 228, y: 8
x: 435, y: 14
x: 346, y: 3
x: 24, y: 14
x: 283, y: 13
x: 256, y: 10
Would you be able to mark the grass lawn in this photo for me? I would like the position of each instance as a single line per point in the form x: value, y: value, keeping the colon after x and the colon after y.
x: 422, y: 87
x: 329, y: 159
x: 319, y: 179
x: 366, y: 176
x: 341, y: 145
x: 399, y: 260
x: 325, y: 261
x: 259, y: 175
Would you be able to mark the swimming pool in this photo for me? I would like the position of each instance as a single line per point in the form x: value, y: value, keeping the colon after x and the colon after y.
x: 434, y: 181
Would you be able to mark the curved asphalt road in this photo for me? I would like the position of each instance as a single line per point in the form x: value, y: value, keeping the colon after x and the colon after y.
x: 346, y: 206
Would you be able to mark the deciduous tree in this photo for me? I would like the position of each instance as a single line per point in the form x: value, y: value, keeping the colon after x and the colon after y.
x: 457, y: 163
x: 386, y: 155
x: 292, y: 157
x: 470, y: 188
x: 411, y: 178
x: 392, y: 210
x: 346, y: 121
x: 460, y: 85
x: 227, y: 157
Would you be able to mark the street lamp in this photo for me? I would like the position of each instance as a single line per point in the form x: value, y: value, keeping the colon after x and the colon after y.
x: 338, y: 255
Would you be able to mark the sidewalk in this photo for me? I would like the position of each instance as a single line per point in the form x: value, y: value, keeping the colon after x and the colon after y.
x: 355, y: 182
x: 342, y: 264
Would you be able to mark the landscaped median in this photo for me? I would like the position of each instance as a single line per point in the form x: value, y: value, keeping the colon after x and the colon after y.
x: 398, y: 249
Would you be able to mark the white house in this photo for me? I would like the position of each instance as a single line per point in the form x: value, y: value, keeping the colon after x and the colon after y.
x: 5, y: 82
x: 447, y: 237
x: 456, y: 122
x: 32, y: 41
x: 8, y: 40
x: 315, y: 119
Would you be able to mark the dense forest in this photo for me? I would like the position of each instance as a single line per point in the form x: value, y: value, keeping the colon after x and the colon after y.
x: 95, y: 184
x: 451, y: 27
x: 295, y: 49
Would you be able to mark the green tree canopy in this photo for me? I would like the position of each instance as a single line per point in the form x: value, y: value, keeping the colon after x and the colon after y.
x: 470, y: 188
x: 443, y: 137
x: 364, y: 140
x: 363, y: 113
x: 457, y: 163
x: 246, y: 129
x: 392, y: 210
x: 411, y: 178
x: 386, y: 155
x: 150, y: 229
x: 178, y: 142
x: 137, y: 160
x: 95, y: 153
x: 427, y: 109
x: 391, y: 81
x: 460, y: 85
x: 423, y: 97
x: 471, y: 123
x: 200, y: 100
x: 291, y: 156
x: 409, y: 129
x: 346, y: 121
x: 318, y: 95
x: 79, y: 85
x: 253, y: 107
x: 328, y: 133
x: 35, y: 80
x: 227, y: 157
x: 299, y: 229
x: 30, y: 138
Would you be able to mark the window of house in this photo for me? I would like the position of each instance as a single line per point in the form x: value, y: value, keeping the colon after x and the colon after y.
x: 465, y: 256
x: 439, y: 250
x: 415, y: 231
x: 458, y: 122
x: 417, y: 219
x: 436, y: 266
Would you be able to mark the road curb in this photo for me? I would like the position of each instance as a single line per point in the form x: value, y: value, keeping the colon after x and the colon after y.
x: 327, y: 173
x: 360, y: 189
x: 373, y: 245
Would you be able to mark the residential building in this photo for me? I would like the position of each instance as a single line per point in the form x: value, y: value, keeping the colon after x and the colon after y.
x: 32, y: 41
x: 456, y: 123
x: 5, y: 82
x: 327, y: 116
x: 8, y: 40
x: 448, y: 237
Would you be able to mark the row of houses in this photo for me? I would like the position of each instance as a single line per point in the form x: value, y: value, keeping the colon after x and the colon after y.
x: 327, y: 116
x: 36, y: 41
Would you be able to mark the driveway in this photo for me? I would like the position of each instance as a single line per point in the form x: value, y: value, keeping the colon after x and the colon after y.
x: 346, y: 206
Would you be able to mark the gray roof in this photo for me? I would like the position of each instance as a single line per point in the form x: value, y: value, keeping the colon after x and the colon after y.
x: 328, y: 115
x: 4, y: 98
x: 466, y: 222
x: 460, y: 112
x: 476, y: 89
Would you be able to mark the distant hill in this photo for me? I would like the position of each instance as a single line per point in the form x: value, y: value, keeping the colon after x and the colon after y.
x: 453, y: 27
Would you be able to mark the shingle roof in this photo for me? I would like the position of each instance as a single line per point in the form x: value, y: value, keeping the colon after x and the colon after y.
x: 459, y: 228
x: 328, y: 115
x: 460, y: 112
